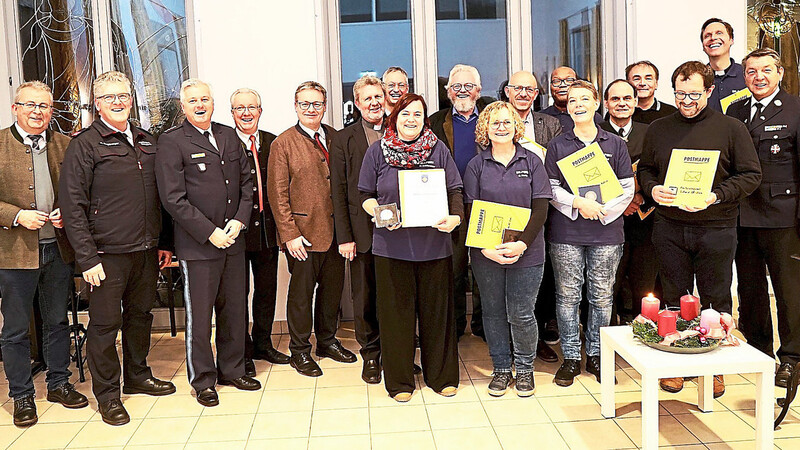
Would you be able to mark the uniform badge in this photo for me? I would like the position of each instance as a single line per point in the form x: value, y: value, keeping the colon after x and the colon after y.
x: 198, y: 155
x: 201, y: 167
x: 778, y: 103
x: 775, y: 149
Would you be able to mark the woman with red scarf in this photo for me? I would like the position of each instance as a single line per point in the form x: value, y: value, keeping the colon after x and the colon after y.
x: 413, y: 266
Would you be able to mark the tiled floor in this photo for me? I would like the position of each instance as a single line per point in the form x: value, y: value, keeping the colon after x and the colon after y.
x: 338, y: 410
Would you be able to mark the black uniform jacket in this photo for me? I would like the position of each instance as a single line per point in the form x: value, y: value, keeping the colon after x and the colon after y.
x: 203, y: 187
x: 261, y: 231
x: 775, y: 136
x: 108, y: 195
x: 352, y: 223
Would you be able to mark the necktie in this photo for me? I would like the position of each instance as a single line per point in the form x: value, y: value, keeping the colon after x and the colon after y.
x: 322, y: 147
x: 207, y: 134
x: 258, y: 173
x: 35, y: 142
x: 621, y: 132
x: 757, y: 114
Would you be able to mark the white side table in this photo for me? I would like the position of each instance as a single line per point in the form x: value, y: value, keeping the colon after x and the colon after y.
x: 653, y: 364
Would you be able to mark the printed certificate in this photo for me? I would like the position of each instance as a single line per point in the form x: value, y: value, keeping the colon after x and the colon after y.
x: 589, y: 167
x: 690, y: 175
x: 726, y: 102
x: 423, y: 197
x: 488, y: 221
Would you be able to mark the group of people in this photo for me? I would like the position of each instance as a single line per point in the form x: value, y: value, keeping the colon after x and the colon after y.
x: 118, y: 203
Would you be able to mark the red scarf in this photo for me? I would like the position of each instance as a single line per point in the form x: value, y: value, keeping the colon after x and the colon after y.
x: 408, y: 155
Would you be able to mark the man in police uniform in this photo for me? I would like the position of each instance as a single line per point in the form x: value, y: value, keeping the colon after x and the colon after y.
x: 205, y: 184
x: 768, y: 233
x: 113, y: 219
x: 261, y: 237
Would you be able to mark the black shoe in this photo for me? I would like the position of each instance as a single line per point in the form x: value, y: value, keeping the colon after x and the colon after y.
x: 371, y: 373
x: 25, y: 412
x: 524, y: 385
x: 273, y: 356
x: 244, y: 383
x: 336, y: 352
x: 550, y: 333
x: 500, y: 383
x: 305, y: 365
x: 545, y: 353
x: 783, y: 375
x: 249, y: 367
x: 150, y: 386
x: 417, y: 369
x: 114, y: 413
x: 566, y: 374
x: 67, y: 396
x: 208, y: 397
x: 593, y: 366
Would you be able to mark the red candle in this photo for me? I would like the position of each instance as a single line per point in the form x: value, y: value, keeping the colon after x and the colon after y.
x: 666, y: 322
x: 650, y: 307
x: 690, y: 307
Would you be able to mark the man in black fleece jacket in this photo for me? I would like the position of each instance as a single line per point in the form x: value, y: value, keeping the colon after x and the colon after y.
x: 698, y: 242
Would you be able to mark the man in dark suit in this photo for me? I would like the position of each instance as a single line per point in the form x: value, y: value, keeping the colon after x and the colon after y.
x: 522, y: 91
x: 643, y: 75
x: 638, y: 268
x: 261, y: 236
x: 205, y: 184
x: 353, y: 224
x: 300, y: 197
x: 768, y: 218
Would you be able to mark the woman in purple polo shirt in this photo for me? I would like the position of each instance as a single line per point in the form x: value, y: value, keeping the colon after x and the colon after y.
x: 509, y: 275
x: 413, y: 267
x: 585, y: 236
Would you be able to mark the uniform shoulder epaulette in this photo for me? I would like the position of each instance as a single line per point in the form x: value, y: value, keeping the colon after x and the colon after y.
x: 79, y: 132
x: 169, y: 130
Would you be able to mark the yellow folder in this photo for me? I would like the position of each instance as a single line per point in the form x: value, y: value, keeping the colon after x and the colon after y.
x: 488, y: 220
x: 588, y: 167
x: 690, y: 175
x: 735, y: 97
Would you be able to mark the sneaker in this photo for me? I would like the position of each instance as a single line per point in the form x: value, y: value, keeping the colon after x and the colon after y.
x: 550, y: 333
x: 593, y: 366
x: 524, y: 384
x: 567, y: 372
x: 500, y: 383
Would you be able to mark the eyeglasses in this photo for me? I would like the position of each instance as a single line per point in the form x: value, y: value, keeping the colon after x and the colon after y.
x: 111, y: 98
x: 507, y: 124
x: 242, y: 109
x: 694, y: 96
x: 30, y: 106
x: 306, y: 105
x: 400, y: 86
x: 562, y: 81
x: 530, y: 90
x: 466, y: 86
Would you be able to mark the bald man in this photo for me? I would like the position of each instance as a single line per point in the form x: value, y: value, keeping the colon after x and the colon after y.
x: 560, y: 81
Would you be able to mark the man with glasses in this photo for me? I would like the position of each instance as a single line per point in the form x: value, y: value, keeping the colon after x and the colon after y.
x: 34, y: 253
x: 643, y: 75
x: 299, y: 191
x: 395, y: 83
x: 205, y: 182
x: 697, y: 242
x: 522, y: 91
x: 716, y: 35
x: 113, y: 219
x: 455, y: 126
x: 560, y: 81
x: 261, y: 236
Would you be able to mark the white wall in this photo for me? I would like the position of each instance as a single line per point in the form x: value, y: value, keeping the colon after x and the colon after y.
x: 668, y: 33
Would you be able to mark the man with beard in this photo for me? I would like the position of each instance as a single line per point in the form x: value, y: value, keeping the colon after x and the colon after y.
x: 395, y: 83
x: 716, y: 35
x: 636, y: 274
x: 353, y: 224
x: 560, y: 81
x: 261, y: 236
x: 522, y: 91
x: 205, y: 184
x: 643, y: 75
x: 455, y: 126
x: 694, y: 242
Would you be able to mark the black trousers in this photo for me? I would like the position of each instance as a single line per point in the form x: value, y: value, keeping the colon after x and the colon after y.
x: 638, y: 268
x: 409, y: 291
x: 546, y: 298
x: 365, y: 314
x: 461, y: 272
x: 122, y: 301
x: 264, y: 264
x: 772, y: 248
x: 323, y: 272
x: 685, y: 252
x: 215, y: 286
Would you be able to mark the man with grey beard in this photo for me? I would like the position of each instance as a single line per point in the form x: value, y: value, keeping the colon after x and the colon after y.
x: 455, y: 126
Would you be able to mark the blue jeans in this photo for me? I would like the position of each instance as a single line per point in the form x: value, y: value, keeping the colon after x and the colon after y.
x: 18, y: 287
x: 570, y: 262
x: 509, y: 298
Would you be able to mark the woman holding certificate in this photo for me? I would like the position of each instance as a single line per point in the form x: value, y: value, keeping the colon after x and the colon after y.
x: 592, y: 180
x: 509, y: 274
x: 410, y: 170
